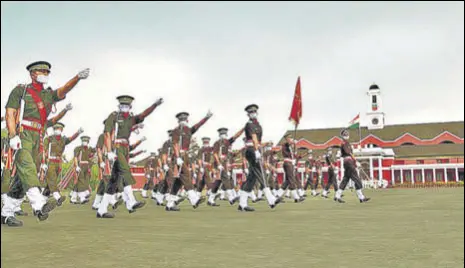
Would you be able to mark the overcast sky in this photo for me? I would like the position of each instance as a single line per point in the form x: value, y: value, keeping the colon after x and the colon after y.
x: 224, y: 56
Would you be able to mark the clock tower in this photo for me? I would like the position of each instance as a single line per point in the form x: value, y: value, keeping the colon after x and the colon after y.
x: 375, y: 114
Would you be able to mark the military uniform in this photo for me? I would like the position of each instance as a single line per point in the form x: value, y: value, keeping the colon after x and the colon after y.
x: 223, y: 158
x: 38, y: 103
x: 119, y: 125
x: 163, y: 189
x: 350, y: 171
x: 205, y: 155
x: 182, y: 137
x: 151, y: 173
x: 55, y: 147
x: 83, y: 156
x: 103, y: 175
x: 253, y: 156
x: 289, y: 171
x: 332, y: 179
x: 6, y: 168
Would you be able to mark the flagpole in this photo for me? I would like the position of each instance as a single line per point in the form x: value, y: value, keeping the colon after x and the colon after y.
x: 360, y: 133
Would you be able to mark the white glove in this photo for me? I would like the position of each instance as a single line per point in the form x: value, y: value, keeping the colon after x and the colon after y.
x: 229, y: 174
x: 84, y: 74
x: 102, y: 165
x: 78, y: 169
x: 209, y: 114
x: 15, y: 143
x: 111, y: 156
x: 294, y: 162
x: 246, y: 172
x: 3, y: 165
x: 358, y: 164
x: 143, y: 139
x: 81, y: 130
x: 258, y: 155
x: 202, y: 170
x: 149, y: 177
x: 220, y: 167
x: 69, y: 107
x: 166, y: 168
x: 179, y: 161
x: 44, y: 167
x: 267, y: 172
x: 159, y: 102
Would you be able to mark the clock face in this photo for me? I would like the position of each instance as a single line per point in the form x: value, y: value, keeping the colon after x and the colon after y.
x: 375, y: 121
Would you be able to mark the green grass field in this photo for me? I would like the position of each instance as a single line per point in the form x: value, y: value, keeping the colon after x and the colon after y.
x: 400, y: 228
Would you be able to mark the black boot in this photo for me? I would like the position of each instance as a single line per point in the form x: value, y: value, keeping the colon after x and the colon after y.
x: 365, y: 200
x: 11, y: 222
x: 117, y: 204
x: 339, y: 200
x: 278, y: 201
x: 246, y: 209
x: 21, y: 213
x: 61, y: 200
x: 201, y: 200
x: 106, y: 216
x: 174, y: 209
x: 212, y: 204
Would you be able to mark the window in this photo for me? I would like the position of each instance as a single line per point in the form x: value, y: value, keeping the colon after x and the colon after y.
x: 420, y: 162
x: 447, y: 142
x: 407, y: 144
x: 429, y: 176
x: 439, y: 176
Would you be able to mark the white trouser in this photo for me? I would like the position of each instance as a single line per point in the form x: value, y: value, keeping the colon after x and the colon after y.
x: 103, y: 206
x: 97, y: 201
x: 83, y: 195
x: 131, y: 199
x: 56, y: 195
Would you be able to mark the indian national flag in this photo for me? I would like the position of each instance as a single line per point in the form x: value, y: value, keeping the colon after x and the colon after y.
x: 355, y: 123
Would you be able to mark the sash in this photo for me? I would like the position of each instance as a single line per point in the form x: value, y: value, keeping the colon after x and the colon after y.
x: 42, y: 112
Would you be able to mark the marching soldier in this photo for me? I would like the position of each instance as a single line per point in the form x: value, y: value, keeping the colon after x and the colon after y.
x: 151, y: 170
x: 350, y: 170
x: 332, y: 180
x: 82, y: 163
x: 117, y: 132
x: 167, y: 178
x: 205, y: 162
x: 182, y: 136
x: 25, y: 133
x: 253, y: 133
x: 55, y: 147
x: 289, y: 170
x: 223, y: 155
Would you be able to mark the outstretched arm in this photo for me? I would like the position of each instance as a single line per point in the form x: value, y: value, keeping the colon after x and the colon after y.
x: 62, y: 114
x: 64, y: 90
x: 202, y: 122
x: 137, y: 144
x: 141, y: 117
x: 72, y: 138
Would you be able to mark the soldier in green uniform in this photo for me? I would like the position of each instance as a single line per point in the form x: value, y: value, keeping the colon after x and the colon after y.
x: 165, y: 184
x: 182, y: 137
x: 117, y: 132
x: 82, y: 162
x: 25, y: 133
x: 151, y: 170
x: 55, y: 147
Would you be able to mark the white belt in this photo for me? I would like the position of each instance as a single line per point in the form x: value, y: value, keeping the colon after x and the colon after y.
x: 54, y: 158
x: 313, y: 169
x: 31, y: 124
x: 249, y: 144
x: 84, y: 162
x: 121, y: 141
x: 301, y: 170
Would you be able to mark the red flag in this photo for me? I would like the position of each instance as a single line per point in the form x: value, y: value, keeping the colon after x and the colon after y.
x: 296, y: 111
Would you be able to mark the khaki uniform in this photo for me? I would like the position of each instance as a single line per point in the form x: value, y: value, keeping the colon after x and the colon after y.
x: 56, y: 147
x: 84, y: 156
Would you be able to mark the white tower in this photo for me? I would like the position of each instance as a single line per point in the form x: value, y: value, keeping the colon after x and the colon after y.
x: 375, y: 115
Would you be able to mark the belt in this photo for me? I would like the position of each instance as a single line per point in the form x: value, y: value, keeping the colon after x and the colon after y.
x: 30, y: 125
x: 84, y: 162
x: 223, y: 156
x: 57, y: 161
x: 54, y: 158
x: 249, y: 144
x: 123, y: 142
x: 288, y: 160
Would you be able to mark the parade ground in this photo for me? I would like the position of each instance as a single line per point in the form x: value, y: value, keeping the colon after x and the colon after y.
x: 399, y: 228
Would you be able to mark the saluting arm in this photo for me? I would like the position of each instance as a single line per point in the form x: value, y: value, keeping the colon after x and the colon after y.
x: 75, y: 136
x: 136, y: 154
x: 149, y: 110
x: 239, y: 133
x: 202, y: 122
x: 64, y: 90
x: 59, y: 116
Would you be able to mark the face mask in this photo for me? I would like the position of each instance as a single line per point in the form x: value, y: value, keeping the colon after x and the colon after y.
x: 206, y: 145
x: 253, y: 115
x: 223, y: 136
x: 58, y: 132
x: 346, y: 138
x: 43, y: 79
x: 85, y: 144
x: 183, y: 123
x: 268, y: 148
x: 124, y: 108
